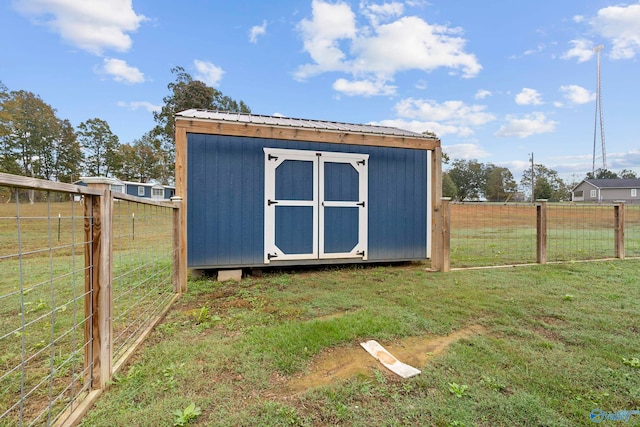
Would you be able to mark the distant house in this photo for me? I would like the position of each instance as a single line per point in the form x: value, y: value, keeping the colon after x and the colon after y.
x: 116, y: 185
x: 607, y: 190
x: 149, y: 190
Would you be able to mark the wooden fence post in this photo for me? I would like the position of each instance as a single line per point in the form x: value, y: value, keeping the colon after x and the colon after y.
x: 541, y: 231
x: 179, y: 261
x: 98, y: 282
x: 445, y: 210
x: 618, y: 215
x: 437, y: 255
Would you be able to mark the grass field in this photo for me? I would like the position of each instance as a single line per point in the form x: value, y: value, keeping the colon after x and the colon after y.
x: 525, y: 346
x: 42, y: 297
x: 484, y: 234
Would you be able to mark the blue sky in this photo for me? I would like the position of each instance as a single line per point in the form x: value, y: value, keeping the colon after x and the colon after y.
x: 495, y: 80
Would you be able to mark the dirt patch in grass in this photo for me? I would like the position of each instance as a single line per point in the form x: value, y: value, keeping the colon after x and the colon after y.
x: 341, y: 363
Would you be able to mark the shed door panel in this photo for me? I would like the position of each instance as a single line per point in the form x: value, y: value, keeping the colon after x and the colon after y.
x: 343, y: 206
x: 291, y: 205
x: 315, y: 205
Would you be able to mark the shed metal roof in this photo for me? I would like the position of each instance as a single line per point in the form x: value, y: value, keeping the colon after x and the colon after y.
x: 257, y: 119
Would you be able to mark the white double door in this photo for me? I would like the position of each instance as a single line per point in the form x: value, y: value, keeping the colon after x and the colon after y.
x: 315, y: 205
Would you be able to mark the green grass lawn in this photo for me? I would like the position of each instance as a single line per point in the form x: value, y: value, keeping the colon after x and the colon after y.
x: 550, y: 344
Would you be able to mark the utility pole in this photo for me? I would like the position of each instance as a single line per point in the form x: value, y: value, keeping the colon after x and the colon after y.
x: 533, y: 181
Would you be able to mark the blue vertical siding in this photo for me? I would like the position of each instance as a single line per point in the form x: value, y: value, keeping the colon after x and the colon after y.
x: 294, y: 180
x: 225, y: 196
x: 294, y: 229
x: 341, y: 229
x: 341, y: 182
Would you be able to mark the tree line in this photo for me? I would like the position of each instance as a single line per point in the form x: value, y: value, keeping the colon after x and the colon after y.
x: 36, y: 142
x: 470, y: 180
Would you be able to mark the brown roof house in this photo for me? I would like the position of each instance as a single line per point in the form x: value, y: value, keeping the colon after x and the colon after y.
x: 607, y: 190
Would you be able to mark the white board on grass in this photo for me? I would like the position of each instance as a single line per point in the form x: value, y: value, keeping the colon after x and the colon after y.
x: 388, y: 360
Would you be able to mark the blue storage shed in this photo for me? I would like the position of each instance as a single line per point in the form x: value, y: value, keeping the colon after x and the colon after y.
x: 268, y: 191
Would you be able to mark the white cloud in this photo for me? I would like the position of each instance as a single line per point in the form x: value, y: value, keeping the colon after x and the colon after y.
x: 257, y: 31
x: 482, y: 94
x: 621, y: 26
x: 447, y: 118
x: 465, y: 151
x: 411, y: 43
x: 330, y: 24
x: 419, y: 126
x: 94, y: 26
x: 120, y: 71
x: 582, y: 50
x: 208, y: 72
x: 449, y: 111
x: 363, y: 87
x: 577, y: 94
x: 528, y: 96
x: 625, y: 160
x: 136, y: 105
x: 382, y: 12
x: 527, y: 125
x: 539, y: 48
x: 578, y: 18
x: 336, y: 44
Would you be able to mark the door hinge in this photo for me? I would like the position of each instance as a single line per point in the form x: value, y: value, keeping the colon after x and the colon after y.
x: 272, y: 157
x: 361, y: 162
x: 318, y: 154
x: 271, y: 202
x: 360, y: 204
x: 360, y: 253
x: 269, y: 256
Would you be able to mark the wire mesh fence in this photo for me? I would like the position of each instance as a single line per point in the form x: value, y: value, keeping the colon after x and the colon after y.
x: 492, y: 234
x: 42, y: 306
x: 632, y: 230
x: 49, y: 266
x: 486, y: 234
x: 142, y: 268
x: 577, y: 232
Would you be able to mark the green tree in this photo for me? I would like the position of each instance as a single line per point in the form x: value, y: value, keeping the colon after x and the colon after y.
x: 8, y: 158
x: 500, y: 184
x: 101, y: 146
x: 4, y: 115
x: 69, y: 154
x: 186, y: 93
x: 548, y: 185
x: 448, y: 187
x: 142, y: 160
x: 469, y: 177
x: 32, y: 129
x: 602, y: 174
x: 627, y: 174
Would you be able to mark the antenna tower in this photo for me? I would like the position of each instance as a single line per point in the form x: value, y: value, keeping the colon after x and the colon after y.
x: 599, y: 115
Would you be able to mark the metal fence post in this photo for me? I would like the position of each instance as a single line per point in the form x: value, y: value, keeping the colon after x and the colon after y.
x: 98, y: 283
x: 618, y: 215
x: 541, y: 231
